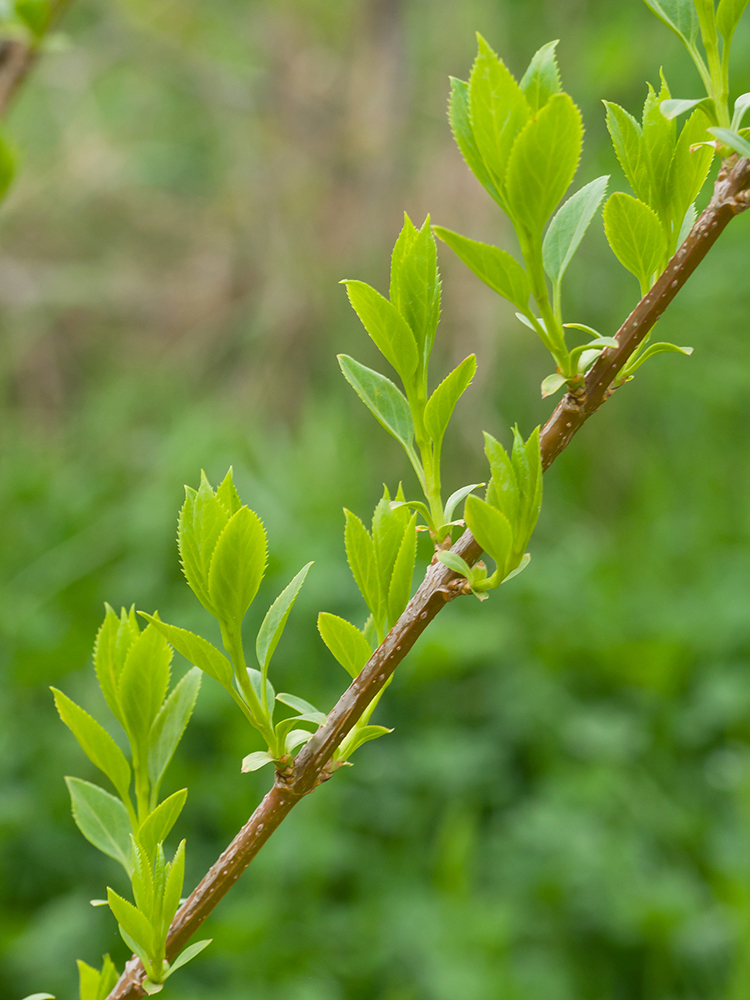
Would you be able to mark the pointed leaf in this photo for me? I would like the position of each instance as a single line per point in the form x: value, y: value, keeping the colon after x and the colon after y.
x: 552, y: 383
x: 741, y: 106
x: 358, y: 737
x: 95, y: 742
x: 454, y: 561
x: 458, y: 116
x: 196, y: 650
x: 389, y: 330
x: 630, y: 147
x: 492, y: 531
x: 569, y: 225
x: 88, y: 982
x: 297, y: 738
x: 276, y: 618
x: 442, y: 402
x: 102, y: 819
x: 659, y: 137
x: 169, y: 725
x: 202, y: 519
x: 155, y: 828
x: 543, y: 162
x: 254, y: 761
x: 455, y: 499
x: 542, y: 79
x: 310, y: 712
x: 491, y: 265
x: 636, y: 236
x: 728, y: 15
x: 652, y: 350
x: 415, y: 284
x: 675, y: 108
x: 382, y: 399
x: 688, y: 171
x: 733, y: 140
x: 187, y: 954
x: 399, y: 589
x: 362, y: 559
x: 113, y: 641
x: 227, y: 494
x: 132, y: 921
x: 173, y: 887
x: 346, y: 642
x: 237, y: 566
x: 504, y: 490
x: 680, y: 16
x: 143, y: 682
x: 497, y: 111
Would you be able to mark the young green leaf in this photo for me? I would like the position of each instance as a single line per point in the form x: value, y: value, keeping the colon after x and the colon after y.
x: 627, y: 139
x: 728, y: 15
x: 95, y: 742
x: 503, y: 491
x: 492, y: 530
x: 155, y: 828
x: 382, y: 399
x: 346, y: 642
x: 227, y: 494
x: 256, y: 679
x: 741, y: 106
x: 102, y: 819
x: 455, y: 499
x: 415, y: 284
x: 88, y: 982
x: 442, y: 402
x: 304, y: 708
x: 552, y: 383
x: 733, y: 140
x: 40, y: 996
x: 296, y: 738
x: 202, y: 519
x: 276, y: 618
x: 493, y: 266
x: 497, y: 111
x: 454, y: 561
x: 659, y: 137
x: 687, y: 172
x: 569, y: 225
x: 362, y: 559
x: 237, y: 566
x: 132, y: 921
x: 399, y: 589
x: 652, y: 350
x: 680, y: 16
x: 35, y: 15
x: 187, y: 954
x: 543, y: 162
x: 256, y: 760
x: 458, y: 116
x: 169, y: 725
x: 7, y: 165
x: 542, y: 79
x: 173, y: 887
x: 113, y: 641
x: 388, y: 329
x: 358, y: 736
x: 196, y: 650
x: 636, y: 236
x: 144, y: 681
x: 675, y: 108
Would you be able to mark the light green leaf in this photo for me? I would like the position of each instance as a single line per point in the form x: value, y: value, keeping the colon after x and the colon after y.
x: 256, y: 679
x: 173, y: 887
x: 202, y: 519
x: 415, y: 284
x: 542, y: 79
x: 627, y: 139
x: 492, y: 530
x: 296, y: 738
x: 227, y: 494
x: 495, y: 267
x: 40, y: 996
x: 455, y: 498
x: 7, y: 165
x: 382, y: 399
x: 113, y: 641
x: 659, y: 137
x: 675, y: 108
x: 552, y: 383
x: 728, y: 15
x: 196, y: 650
x: 652, y: 350
x: 187, y: 954
x: 504, y: 490
x: 362, y: 558
x: 254, y: 761
x: 687, y: 224
x: 132, y: 921
x: 569, y: 226
x: 95, y: 742
x: 150, y: 988
x: 155, y: 828
x: 305, y: 708
x: 276, y: 618
x: 34, y: 14
x: 346, y: 642
x: 458, y: 116
x: 442, y: 402
x: 88, y: 982
x: 358, y: 736
x: 636, y: 236
x: 741, y: 106
x: 454, y: 561
x: 169, y: 725
x: 688, y: 171
x: 680, y: 16
x: 388, y: 526
x: 497, y: 111
x: 144, y: 681
x: 388, y: 329
x: 109, y: 977
x: 399, y: 589
x: 519, y: 568
x: 543, y: 162
x: 237, y: 566
x: 733, y: 140
x: 102, y: 819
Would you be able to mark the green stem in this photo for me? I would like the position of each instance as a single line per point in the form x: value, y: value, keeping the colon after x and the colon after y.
x: 140, y: 773
x: 232, y: 640
x: 532, y: 254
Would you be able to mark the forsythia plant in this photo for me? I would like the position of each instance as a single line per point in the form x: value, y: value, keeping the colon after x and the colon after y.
x: 523, y: 140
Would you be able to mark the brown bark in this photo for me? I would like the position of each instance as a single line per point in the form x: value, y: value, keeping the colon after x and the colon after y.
x: 440, y: 585
x: 18, y: 57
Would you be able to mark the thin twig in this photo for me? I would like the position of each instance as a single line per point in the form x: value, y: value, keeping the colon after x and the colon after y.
x: 17, y: 57
x: 731, y: 196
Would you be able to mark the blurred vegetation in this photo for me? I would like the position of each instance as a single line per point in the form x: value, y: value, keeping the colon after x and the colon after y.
x: 563, y: 810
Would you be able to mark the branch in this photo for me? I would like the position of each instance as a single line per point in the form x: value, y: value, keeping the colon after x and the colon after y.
x: 17, y: 57
x: 440, y: 585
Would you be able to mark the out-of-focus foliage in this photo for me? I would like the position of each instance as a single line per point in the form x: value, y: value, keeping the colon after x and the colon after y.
x: 563, y: 809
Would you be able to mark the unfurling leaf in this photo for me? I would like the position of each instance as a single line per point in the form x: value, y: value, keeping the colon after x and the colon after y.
x: 630, y: 147
x: 276, y: 619
x: 187, y: 955
x: 493, y: 266
x: 155, y: 828
x: 493, y: 531
x: 552, y: 383
x: 636, y: 237
x: 169, y: 725
x: 102, y: 819
x: 345, y: 641
x: 254, y: 761
x: 143, y: 682
x: 202, y: 519
x: 569, y: 225
x: 399, y: 587
x: 133, y: 922
x: 542, y: 79
x: 415, y: 284
x: 543, y: 162
x: 358, y: 736
x: 442, y: 402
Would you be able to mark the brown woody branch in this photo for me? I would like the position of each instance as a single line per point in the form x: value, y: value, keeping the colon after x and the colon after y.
x: 440, y: 585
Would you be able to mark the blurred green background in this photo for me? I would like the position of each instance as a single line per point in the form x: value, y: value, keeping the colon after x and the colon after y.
x: 563, y: 809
